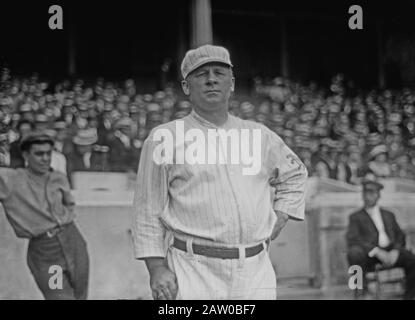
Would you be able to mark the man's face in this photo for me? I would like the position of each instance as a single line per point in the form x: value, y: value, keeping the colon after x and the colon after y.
x: 381, y: 158
x: 371, y: 195
x: 210, y: 85
x: 61, y: 134
x: 24, y: 129
x: 38, y: 157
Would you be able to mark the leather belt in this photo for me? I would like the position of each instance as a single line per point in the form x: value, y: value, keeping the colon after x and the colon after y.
x: 222, y: 253
x: 53, y: 231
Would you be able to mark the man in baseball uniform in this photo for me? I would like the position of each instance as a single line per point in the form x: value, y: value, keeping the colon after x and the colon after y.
x: 204, y: 213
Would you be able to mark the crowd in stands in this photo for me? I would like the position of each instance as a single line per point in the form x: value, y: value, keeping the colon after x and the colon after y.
x: 340, y: 133
x: 102, y: 126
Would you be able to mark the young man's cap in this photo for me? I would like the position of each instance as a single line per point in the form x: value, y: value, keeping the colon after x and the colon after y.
x: 205, y: 54
x: 35, y: 137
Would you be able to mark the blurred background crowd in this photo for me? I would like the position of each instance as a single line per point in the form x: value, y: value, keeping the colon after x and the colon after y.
x: 339, y: 132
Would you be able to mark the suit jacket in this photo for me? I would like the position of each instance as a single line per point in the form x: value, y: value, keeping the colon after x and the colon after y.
x: 16, y: 157
x: 121, y: 158
x: 363, y: 233
x: 75, y: 162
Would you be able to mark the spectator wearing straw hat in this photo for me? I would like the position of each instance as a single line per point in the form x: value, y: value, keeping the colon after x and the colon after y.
x: 81, y: 159
x: 41, y: 122
x: 26, y: 112
x: 378, y: 161
x: 325, y: 166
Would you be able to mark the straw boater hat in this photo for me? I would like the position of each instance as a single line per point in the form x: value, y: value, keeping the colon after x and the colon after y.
x: 371, y: 180
x: 25, y: 108
x: 124, y: 122
x: 85, y: 137
x: 380, y: 149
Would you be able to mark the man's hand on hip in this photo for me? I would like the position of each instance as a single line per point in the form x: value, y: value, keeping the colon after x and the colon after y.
x: 163, y: 281
x: 280, y: 224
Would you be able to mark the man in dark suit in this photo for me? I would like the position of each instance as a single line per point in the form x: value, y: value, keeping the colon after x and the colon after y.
x: 86, y: 154
x: 374, y: 236
x: 123, y: 150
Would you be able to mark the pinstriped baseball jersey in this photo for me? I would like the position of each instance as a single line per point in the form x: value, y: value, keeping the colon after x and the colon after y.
x: 216, y: 204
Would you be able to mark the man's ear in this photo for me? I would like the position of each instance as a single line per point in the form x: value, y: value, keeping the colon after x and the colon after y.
x: 185, y: 87
x: 233, y: 84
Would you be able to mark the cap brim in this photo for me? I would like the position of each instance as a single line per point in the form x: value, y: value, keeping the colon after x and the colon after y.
x: 377, y: 184
x: 202, y: 63
x: 84, y: 142
x: 29, y: 142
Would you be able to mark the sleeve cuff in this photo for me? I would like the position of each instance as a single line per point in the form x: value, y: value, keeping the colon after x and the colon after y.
x: 296, y: 214
x: 142, y: 254
x: 295, y: 218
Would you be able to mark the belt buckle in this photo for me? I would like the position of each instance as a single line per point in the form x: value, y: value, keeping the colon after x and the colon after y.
x: 49, y: 234
x: 52, y: 233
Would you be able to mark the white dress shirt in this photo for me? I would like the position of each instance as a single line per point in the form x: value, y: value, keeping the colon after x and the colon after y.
x: 87, y: 159
x: 58, y: 162
x: 374, y: 213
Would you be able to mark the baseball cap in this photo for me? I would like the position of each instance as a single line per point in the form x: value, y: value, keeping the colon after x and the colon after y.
x: 205, y: 54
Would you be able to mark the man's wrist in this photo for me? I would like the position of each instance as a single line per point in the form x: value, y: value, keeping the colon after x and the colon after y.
x: 155, y: 262
x: 282, y: 215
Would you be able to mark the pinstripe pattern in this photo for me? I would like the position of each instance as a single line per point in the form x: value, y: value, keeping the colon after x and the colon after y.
x: 204, y: 54
x: 216, y: 279
x: 214, y: 204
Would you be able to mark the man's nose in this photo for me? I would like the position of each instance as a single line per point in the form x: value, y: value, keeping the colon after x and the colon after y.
x: 211, y: 77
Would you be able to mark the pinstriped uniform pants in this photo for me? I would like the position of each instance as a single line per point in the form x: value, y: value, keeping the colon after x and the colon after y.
x: 200, y: 277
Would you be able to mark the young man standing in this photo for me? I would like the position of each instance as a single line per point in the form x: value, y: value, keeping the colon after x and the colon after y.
x: 39, y: 206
